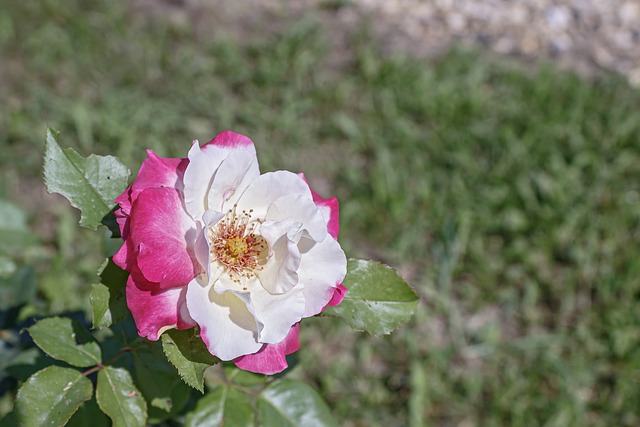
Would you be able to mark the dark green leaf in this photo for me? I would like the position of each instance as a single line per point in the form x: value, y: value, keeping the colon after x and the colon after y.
x: 119, y: 398
x: 111, y: 223
x: 222, y: 406
x: 8, y: 420
x: 378, y: 300
x: 108, y: 300
x: 88, y: 414
x: 51, y: 396
x: 186, y: 351
x: 110, y: 273
x: 65, y: 339
x: 293, y: 403
x: 91, y: 184
x: 18, y: 289
x: 159, y: 383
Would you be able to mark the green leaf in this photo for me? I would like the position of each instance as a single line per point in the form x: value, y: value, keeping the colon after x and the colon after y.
x: 242, y: 377
x: 99, y: 300
x: 186, y: 351
x: 8, y: 420
x: 109, y: 221
x: 378, y: 300
x: 18, y: 289
x: 222, y: 406
x: 13, y: 229
x: 292, y: 403
x: 88, y: 414
x: 119, y: 398
x: 65, y: 339
x: 51, y: 396
x: 159, y: 383
x: 108, y: 299
x: 91, y: 184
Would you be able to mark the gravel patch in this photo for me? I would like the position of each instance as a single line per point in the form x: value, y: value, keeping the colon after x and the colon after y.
x: 585, y: 36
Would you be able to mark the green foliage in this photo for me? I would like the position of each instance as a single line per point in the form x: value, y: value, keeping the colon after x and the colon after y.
x: 108, y: 300
x: 51, y: 396
x: 59, y: 336
x: 119, y: 398
x: 159, y: 383
x: 266, y: 403
x: 91, y: 184
x: 223, y: 405
x: 293, y: 403
x: 186, y: 351
x: 377, y: 301
x: 89, y: 414
x: 100, y: 297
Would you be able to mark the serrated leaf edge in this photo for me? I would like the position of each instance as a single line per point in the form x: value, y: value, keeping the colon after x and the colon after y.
x: 199, y: 387
x: 52, y: 136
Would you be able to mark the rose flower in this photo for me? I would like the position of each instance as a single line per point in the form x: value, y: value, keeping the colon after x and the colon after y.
x: 209, y: 241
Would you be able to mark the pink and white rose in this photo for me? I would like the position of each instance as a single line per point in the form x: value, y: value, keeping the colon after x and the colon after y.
x: 210, y: 241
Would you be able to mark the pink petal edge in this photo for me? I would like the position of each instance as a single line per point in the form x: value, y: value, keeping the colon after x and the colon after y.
x: 338, y: 296
x: 333, y: 223
x: 125, y: 257
x: 156, y: 310
x: 229, y: 139
x: 271, y: 358
x: 155, y: 172
x: 158, y: 172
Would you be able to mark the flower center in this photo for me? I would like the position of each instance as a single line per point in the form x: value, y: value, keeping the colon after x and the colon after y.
x: 236, y: 247
x: 234, y: 244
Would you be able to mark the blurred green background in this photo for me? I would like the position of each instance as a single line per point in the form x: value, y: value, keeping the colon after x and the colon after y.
x: 507, y: 195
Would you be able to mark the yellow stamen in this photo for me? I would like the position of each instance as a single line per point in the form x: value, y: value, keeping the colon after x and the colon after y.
x: 235, y: 245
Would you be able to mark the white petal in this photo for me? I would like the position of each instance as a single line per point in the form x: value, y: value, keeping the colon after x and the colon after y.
x: 202, y: 248
x: 227, y: 327
x: 267, y: 188
x: 276, y: 314
x: 279, y: 273
x: 224, y: 283
x: 300, y: 209
x: 203, y: 164
x: 326, y: 213
x: 322, y: 267
x: 233, y: 176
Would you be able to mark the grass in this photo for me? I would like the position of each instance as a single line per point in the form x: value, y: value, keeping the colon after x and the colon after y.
x: 510, y: 198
